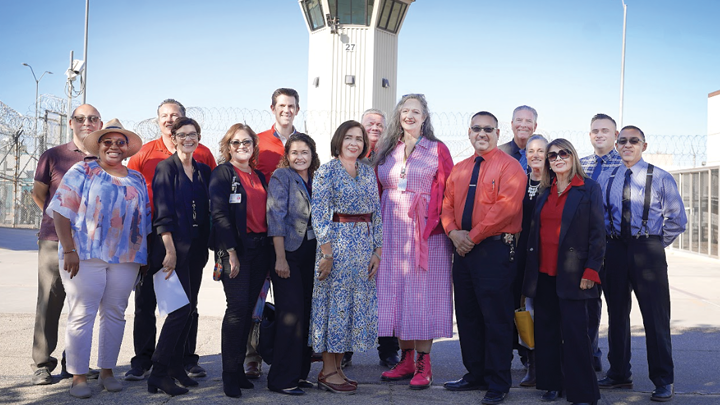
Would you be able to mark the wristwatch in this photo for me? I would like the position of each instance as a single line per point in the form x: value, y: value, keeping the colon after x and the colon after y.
x: 326, y: 256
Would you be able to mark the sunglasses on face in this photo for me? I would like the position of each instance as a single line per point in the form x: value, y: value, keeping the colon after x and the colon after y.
x: 191, y: 135
x: 108, y: 143
x: 93, y: 119
x: 246, y: 143
x: 478, y: 129
x: 562, y: 154
x: 633, y: 141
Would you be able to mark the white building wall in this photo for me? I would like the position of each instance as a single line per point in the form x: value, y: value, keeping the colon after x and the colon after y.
x: 713, y: 127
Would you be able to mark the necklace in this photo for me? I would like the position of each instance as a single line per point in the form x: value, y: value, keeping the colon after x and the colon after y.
x: 532, y: 189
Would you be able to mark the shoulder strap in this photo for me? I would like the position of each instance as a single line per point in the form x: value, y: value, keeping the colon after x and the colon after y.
x: 648, y: 196
x: 613, y: 234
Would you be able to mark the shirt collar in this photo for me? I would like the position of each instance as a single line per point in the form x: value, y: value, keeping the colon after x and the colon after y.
x: 489, y: 155
x: 610, y: 155
x: 280, y: 137
x: 576, y: 181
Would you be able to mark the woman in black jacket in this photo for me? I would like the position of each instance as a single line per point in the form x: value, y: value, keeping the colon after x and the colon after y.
x: 565, y: 250
x: 238, y: 200
x: 181, y: 227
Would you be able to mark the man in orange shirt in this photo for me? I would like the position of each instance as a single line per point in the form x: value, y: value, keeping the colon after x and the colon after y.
x: 144, y: 330
x: 271, y: 143
x: 482, y: 209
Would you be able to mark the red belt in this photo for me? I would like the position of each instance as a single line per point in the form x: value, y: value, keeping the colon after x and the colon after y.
x: 352, y: 217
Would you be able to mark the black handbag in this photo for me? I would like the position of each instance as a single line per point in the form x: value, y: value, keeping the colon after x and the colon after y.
x: 266, y: 344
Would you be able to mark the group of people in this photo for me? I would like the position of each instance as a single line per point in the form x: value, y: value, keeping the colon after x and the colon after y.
x: 371, y: 244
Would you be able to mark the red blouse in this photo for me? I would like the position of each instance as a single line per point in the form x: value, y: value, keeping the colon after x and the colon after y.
x: 256, y: 201
x: 550, y: 222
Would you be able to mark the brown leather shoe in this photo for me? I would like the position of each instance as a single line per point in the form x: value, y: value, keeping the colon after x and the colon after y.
x: 344, y: 388
x: 253, y: 370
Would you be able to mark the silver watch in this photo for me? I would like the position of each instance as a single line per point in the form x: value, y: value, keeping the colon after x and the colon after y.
x: 326, y: 256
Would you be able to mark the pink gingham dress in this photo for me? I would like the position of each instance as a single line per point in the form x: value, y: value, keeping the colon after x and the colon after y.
x: 413, y: 303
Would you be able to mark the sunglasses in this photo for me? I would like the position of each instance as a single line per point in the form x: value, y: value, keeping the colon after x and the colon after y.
x: 191, y: 135
x: 108, y: 143
x: 94, y: 119
x: 563, y: 154
x: 478, y: 129
x: 633, y: 141
x: 246, y: 143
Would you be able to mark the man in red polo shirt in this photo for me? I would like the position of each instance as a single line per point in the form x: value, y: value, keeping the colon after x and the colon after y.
x: 285, y: 106
x: 144, y: 330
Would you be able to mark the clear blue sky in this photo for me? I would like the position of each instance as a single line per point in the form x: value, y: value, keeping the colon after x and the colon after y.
x: 562, y: 57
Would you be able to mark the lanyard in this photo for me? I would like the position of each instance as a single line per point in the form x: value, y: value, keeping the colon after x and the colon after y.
x: 403, y: 170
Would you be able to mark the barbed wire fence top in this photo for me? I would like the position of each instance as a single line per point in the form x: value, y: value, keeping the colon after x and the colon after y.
x: 21, y: 146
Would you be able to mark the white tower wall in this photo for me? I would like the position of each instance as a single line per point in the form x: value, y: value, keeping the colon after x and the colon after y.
x: 713, y: 128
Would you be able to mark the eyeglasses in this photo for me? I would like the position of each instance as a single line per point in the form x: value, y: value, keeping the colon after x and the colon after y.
x: 93, y: 119
x: 108, y: 143
x: 414, y: 95
x: 563, y: 154
x: 633, y: 141
x: 478, y: 129
x: 246, y: 143
x: 191, y: 135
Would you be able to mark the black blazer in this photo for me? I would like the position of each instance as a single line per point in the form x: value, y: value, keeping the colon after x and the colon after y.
x: 581, y: 245
x: 229, y: 221
x: 172, y: 197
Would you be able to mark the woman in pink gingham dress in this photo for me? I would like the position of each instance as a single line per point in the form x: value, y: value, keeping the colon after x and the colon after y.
x: 414, y: 284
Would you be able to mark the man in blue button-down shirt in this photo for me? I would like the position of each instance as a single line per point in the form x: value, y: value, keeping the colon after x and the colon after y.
x: 635, y: 261
x: 603, y: 134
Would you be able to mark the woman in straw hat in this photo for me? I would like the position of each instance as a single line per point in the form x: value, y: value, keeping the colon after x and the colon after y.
x: 102, y: 216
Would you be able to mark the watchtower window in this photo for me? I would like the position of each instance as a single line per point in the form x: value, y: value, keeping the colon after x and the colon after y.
x: 391, y: 15
x: 314, y: 13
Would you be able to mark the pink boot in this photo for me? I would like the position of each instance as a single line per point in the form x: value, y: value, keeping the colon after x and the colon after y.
x: 404, y: 369
x: 423, y: 372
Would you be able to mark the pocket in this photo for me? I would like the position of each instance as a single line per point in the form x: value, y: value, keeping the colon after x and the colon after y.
x: 488, y: 192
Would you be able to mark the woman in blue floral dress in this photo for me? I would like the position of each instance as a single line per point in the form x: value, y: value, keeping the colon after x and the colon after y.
x: 348, y: 226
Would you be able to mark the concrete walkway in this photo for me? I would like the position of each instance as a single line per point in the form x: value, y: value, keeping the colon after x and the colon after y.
x: 695, y: 294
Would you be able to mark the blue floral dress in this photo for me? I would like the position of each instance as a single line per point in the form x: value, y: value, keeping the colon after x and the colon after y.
x: 344, y: 305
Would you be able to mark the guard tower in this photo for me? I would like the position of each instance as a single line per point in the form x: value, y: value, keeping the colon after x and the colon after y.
x: 352, y: 61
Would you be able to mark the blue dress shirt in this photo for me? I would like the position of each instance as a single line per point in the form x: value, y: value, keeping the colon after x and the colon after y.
x: 610, y: 161
x: 666, y: 217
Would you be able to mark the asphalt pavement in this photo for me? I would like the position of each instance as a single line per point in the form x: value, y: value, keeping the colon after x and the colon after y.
x: 695, y: 295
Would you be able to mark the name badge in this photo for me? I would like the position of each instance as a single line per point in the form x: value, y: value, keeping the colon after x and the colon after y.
x: 402, y: 184
x: 235, y: 198
x: 310, y: 234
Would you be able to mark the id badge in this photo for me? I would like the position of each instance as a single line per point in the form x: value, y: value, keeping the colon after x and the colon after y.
x: 310, y: 234
x: 402, y: 184
x: 235, y: 198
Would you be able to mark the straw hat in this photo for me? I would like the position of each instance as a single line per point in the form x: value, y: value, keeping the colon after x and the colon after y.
x: 92, y: 144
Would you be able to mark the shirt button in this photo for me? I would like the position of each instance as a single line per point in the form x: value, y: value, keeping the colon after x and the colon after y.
x: 571, y: 249
x: 531, y: 249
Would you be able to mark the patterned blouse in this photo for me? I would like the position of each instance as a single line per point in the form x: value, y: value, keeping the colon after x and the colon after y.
x: 109, y: 216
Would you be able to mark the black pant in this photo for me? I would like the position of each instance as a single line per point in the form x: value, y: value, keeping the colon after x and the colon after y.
x: 241, y: 294
x: 484, y: 312
x: 387, y: 346
x: 172, y: 343
x: 144, y: 324
x: 293, y: 300
x: 594, y: 310
x: 638, y: 265
x: 562, y: 346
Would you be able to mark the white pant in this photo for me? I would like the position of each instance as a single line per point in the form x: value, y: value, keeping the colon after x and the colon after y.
x: 97, y: 286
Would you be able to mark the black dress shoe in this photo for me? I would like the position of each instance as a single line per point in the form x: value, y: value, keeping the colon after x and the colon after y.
x: 597, y: 364
x: 463, y: 385
x: 663, y: 393
x: 305, y: 384
x: 493, y: 397
x: 288, y: 391
x: 608, y: 382
x: 390, y: 361
x: 551, y: 396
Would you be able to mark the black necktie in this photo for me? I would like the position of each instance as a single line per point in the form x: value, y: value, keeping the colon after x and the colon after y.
x: 626, y: 215
x: 470, y: 200
x: 598, y: 168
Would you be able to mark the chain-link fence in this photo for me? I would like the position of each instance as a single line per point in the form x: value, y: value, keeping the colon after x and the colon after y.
x: 21, y: 145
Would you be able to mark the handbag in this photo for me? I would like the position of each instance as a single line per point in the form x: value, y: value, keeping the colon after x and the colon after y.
x: 525, y: 326
x: 266, y: 343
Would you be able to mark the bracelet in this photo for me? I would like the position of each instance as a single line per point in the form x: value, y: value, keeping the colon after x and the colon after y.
x: 327, y: 257
x: 70, y: 251
x: 377, y: 255
x: 232, y: 249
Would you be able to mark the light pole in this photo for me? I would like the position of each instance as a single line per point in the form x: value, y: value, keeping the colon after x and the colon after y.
x: 37, y: 88
x: 622, y: 68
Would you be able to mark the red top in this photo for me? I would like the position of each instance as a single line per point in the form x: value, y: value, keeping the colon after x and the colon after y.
x: 270, y: 151
x: 153, y: 152
x: 256, y: 201
x: 499, y: 196
x: 550, y: 223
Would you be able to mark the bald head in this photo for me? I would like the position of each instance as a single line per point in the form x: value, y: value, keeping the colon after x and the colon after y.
x: 85, y: 120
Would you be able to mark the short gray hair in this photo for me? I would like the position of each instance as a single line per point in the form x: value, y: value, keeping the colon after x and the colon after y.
x: 527, y: 108
x: 374, y: 111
